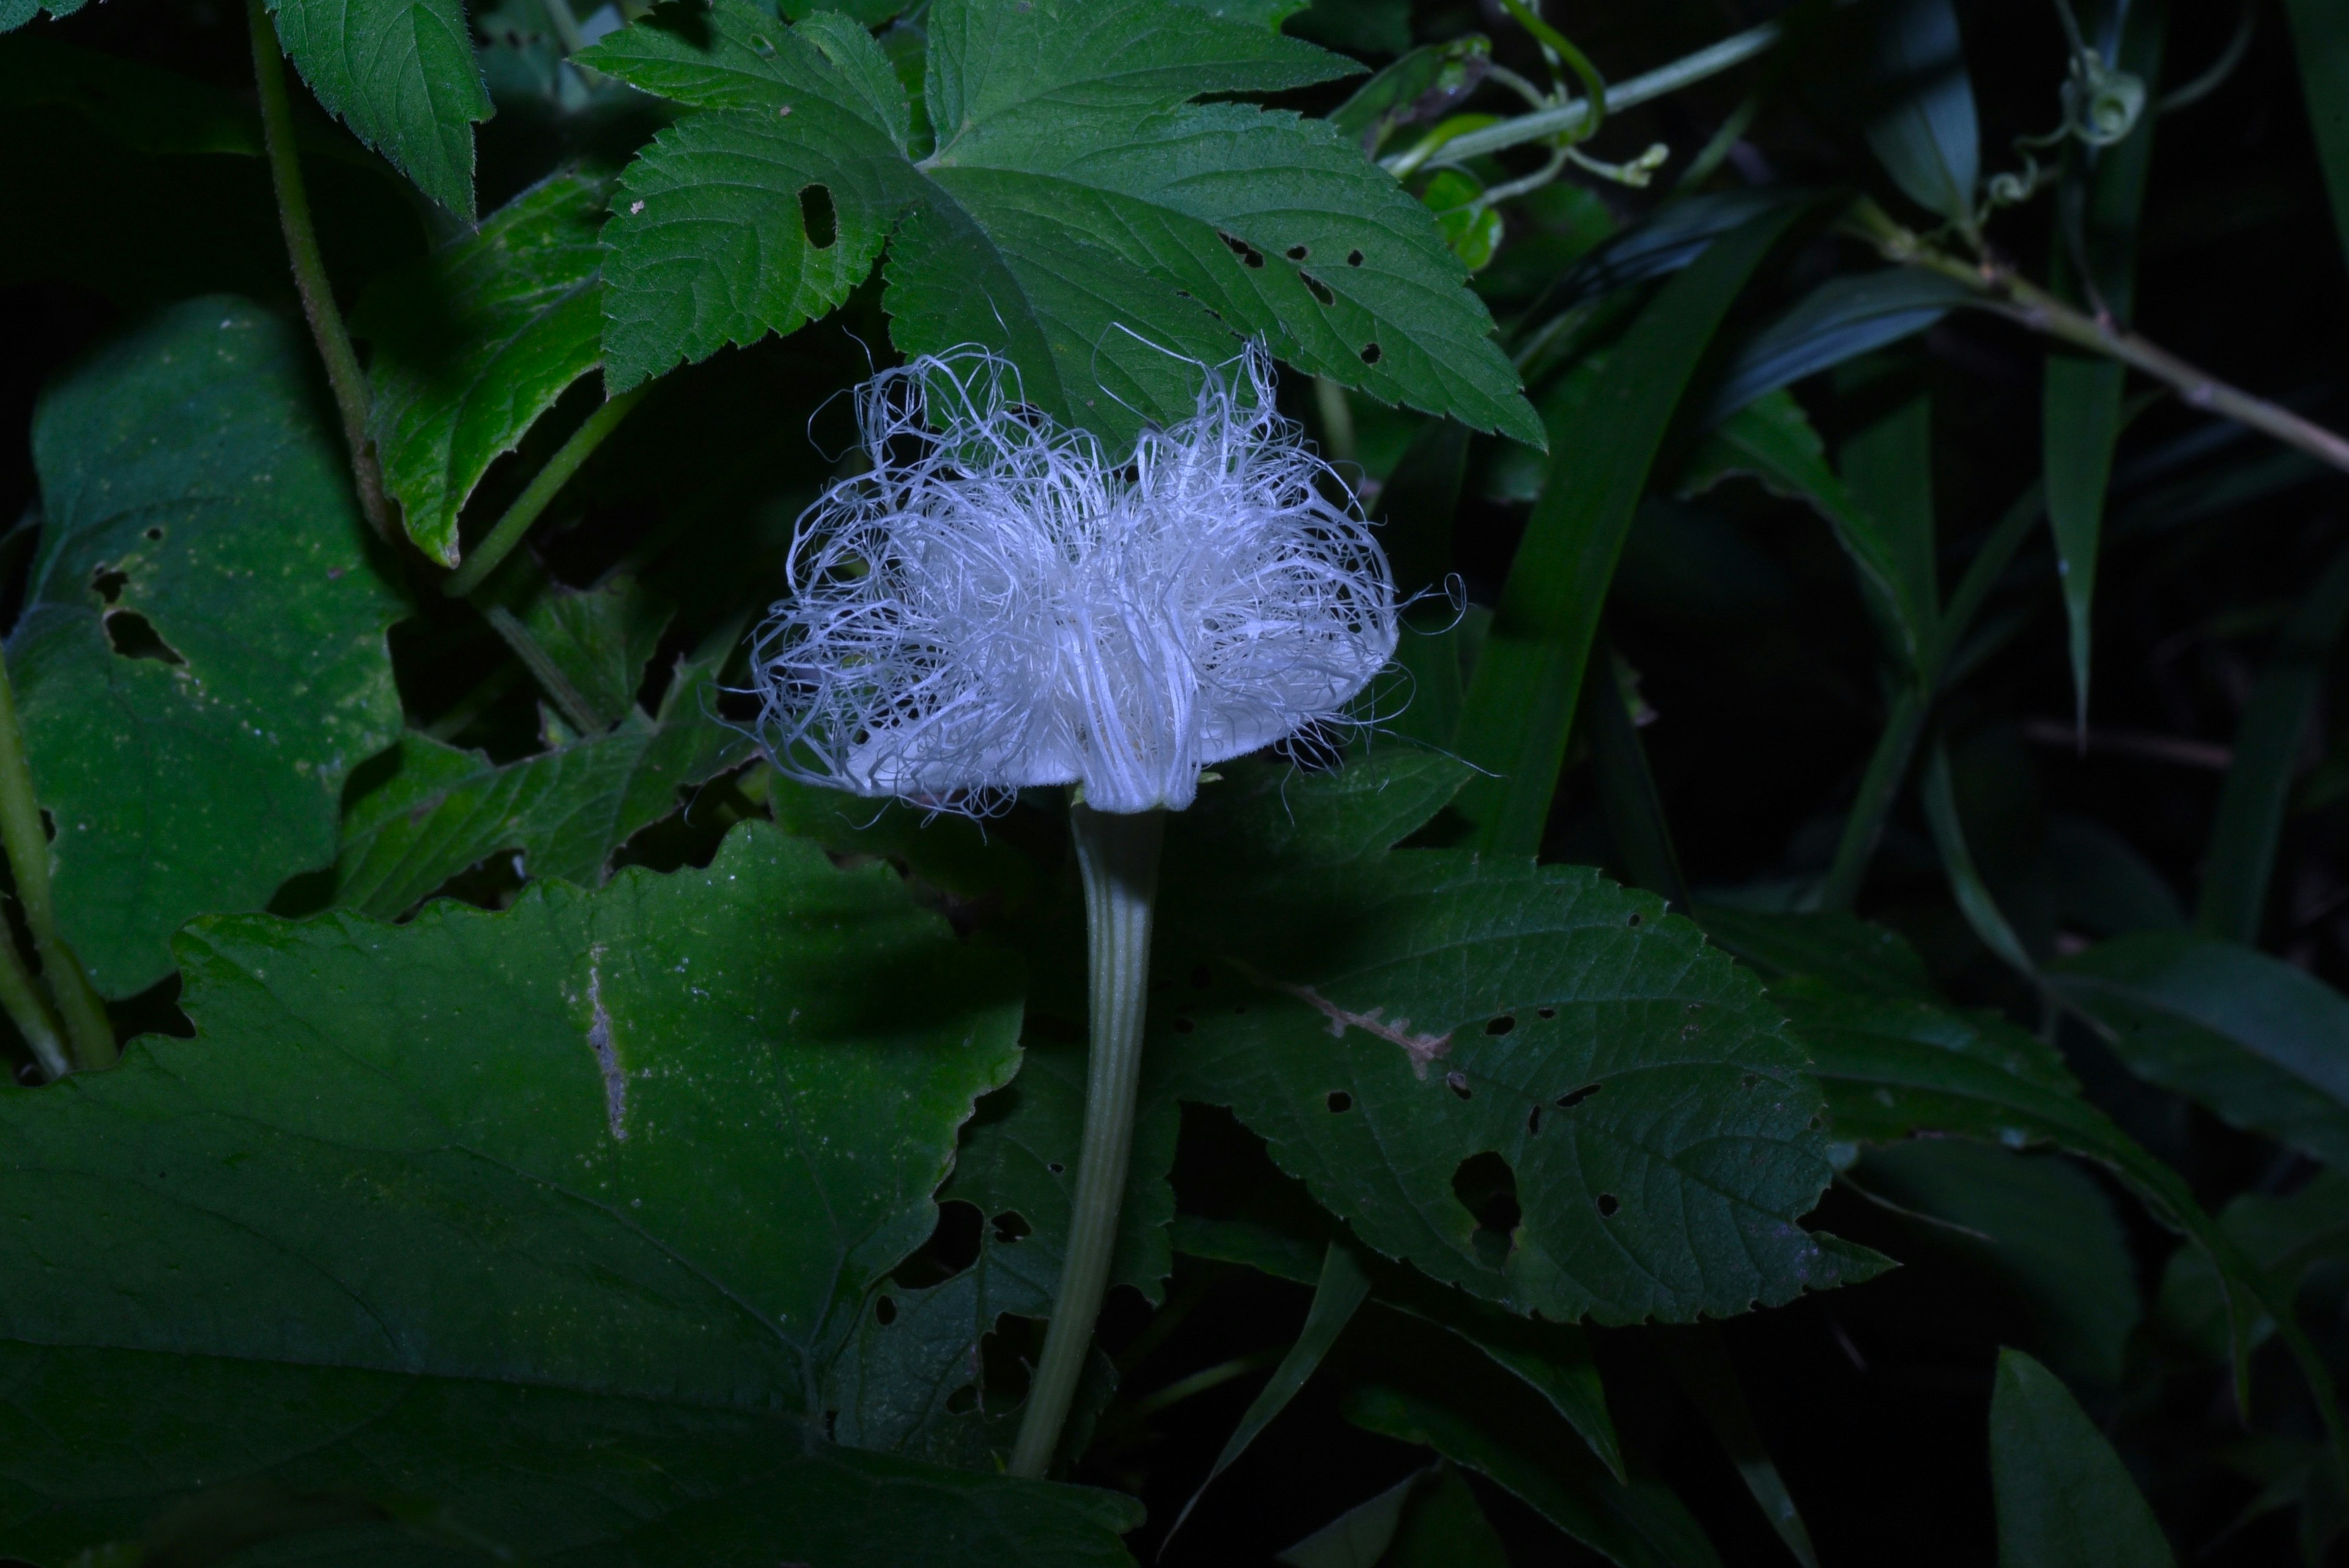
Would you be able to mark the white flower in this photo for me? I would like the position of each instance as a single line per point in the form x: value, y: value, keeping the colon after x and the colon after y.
x: 997, y: 605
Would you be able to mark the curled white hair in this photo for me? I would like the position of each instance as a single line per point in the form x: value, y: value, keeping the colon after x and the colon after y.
x: 997, y: 605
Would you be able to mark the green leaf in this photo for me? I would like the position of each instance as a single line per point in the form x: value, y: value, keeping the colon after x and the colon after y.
x: 1848, y: 316
x: 1938, y: 795
x: 1771, y: 440
x: 556, y: 1217
x: 17, y: 13
x: 1893, y: 1068
x: 1843, y: 950
x: 2065, y: 1498
x: 2035, y: 1226
x: 2256, y: 1040
x: 1526, y: 1082
x: 1419, y: 86
x: 2250, y: 821
x: 1521, y: 701
x: 1078, y: 214
x: 1920, y: 119
x: 1638, y: 1525
x: 442, y: 809
x: 474, y: 344
x: 2082, y: 400
x: 1345, y: 1285
x: 400, y: 74
x: 2287, y: 1238
x: 601, y: 639
x: 2320, y: 37
x: 201, y: 660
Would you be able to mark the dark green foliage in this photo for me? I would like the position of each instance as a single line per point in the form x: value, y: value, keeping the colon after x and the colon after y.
x: 1745, y: 1053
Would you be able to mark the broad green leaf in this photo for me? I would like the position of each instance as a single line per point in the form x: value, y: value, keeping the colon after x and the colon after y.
x: 2250, y: 822
x: 1666, y: 241
x: 1848, y: 316
x: 472, y: 345
x: 1841, y: 949
x: 441, y: 810
x: 17, y: 13
x: 2038, y: 1228
x: 201, y: 660
x: 1345, y: 1285
x: 1920, y: 118
x: 1521, y: 701
x: 554, y: 1218
x: 2065, y: 1498
x: 2319, y: 39
x: 2103, y: 192
x: 400, y: 74
x: 2286, y: 1237
x: 1523, y: 1081
x: 1638, y: 1525
x: 1771, y: 440
x: 1079, y: 212
x: 2261, y: 1044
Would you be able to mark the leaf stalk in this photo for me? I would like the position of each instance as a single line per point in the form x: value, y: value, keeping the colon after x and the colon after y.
x: 1117, y: 857
x: 539, y: 493
x: 27, y: 841
x: 326, y: 327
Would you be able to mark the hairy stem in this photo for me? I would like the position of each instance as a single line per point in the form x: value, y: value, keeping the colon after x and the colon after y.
x: 1118, y: 856
x: 1569, y: 117
x: 2035, y: 308
x: 90, y: 1036
x: 334, y: 339
x: 573, y: 455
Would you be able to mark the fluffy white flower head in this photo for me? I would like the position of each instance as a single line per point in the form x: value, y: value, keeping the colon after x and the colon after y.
x: 995, y: 603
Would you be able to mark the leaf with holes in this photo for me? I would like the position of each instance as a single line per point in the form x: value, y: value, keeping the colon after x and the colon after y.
x: 441, y: 810
x: 554, y: 1218
x: 200, y: 659
x: 1528, y: 1082
x: 474, y: 344
x: 1079, y: 212
x: 401, y: 73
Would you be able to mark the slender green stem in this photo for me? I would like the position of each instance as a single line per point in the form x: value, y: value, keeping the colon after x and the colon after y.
x: 2042, y: 312
x: 1567, y: 117
x: 28, y: 1010
x: 27, y: 844
x: 549, y: 675
x: 326, y: 326
x: 539, y: 493
x: 1118, y: 857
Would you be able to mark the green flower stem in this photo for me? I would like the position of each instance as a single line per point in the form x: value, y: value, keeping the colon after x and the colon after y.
x: 27, y: 844
x: 1118, y: 856
x: 326, y: 326
x: 539, y: 493
x: 1567, y: 118
x: 2020, y: 300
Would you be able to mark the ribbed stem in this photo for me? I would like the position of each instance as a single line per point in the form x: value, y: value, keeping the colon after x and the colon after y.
x: 27, y: 844
x: 334, y: 339
x: 1118, y: 856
